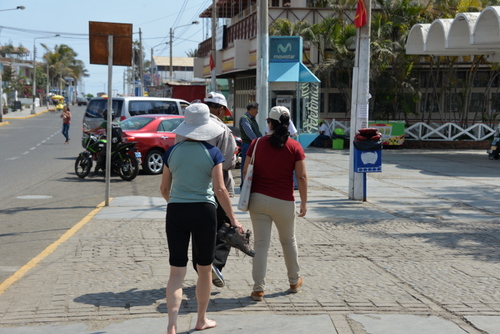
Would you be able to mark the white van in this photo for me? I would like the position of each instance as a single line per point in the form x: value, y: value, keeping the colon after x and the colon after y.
x: 125, y: 107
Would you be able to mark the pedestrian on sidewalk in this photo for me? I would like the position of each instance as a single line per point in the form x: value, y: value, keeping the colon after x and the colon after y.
x: 66, y: 119
x: 191, y: 167
x: 324, y: 134
x: 272, y: 198
x: 225, y: 142
x: 249, y: 130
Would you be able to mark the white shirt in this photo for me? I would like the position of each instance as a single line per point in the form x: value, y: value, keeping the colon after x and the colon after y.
x: 326, y: 129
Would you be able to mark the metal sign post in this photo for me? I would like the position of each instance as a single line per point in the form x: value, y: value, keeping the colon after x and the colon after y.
x: 109, y: 116
x: 110, y: 44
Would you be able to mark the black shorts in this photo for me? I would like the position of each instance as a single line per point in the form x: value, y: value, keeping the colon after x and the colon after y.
x: 184, y: 220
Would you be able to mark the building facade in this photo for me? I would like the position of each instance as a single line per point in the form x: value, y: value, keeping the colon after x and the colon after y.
x: 236, y: 50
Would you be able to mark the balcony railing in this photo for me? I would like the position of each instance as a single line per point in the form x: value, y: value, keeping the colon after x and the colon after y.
x: 244, y: 29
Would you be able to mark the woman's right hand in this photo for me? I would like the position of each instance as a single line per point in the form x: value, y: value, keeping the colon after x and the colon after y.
x: 303, y: 209
x: 236, y: 224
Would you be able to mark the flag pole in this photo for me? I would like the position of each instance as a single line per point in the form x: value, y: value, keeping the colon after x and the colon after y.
x: 360, y: 91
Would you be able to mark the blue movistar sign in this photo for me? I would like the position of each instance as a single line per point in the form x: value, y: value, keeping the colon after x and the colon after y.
x: 285, y: 49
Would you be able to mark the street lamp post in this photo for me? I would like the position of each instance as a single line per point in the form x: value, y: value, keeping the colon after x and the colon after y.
x: 171, y: 38
x: 34, y: 70
x: 18, y: 7
x: 1, y: 92
x: 152, y: 62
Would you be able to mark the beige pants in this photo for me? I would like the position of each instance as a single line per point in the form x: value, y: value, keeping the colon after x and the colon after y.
x: 263, y: 211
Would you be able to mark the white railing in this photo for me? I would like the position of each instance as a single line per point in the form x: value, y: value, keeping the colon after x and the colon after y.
x: 432, y: 131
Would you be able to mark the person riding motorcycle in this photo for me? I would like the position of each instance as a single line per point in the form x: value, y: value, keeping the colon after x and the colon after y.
x: 116, y: 138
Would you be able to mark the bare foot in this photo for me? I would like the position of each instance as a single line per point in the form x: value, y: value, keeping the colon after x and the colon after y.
x: 209, y: 323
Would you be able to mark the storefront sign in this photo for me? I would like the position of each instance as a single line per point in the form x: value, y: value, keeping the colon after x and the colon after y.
x: 285, y: 49
x: 310, y: 112
x: 393, y: 132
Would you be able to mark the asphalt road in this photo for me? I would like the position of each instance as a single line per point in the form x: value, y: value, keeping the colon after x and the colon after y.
x: 41, y: 197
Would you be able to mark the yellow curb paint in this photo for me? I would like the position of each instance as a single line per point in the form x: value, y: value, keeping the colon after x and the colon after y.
x: 26, y: 117
x: 4, y: 123
x: 47, y: 251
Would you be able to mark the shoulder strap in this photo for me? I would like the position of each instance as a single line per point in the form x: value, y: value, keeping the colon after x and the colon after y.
x: 254, y: 149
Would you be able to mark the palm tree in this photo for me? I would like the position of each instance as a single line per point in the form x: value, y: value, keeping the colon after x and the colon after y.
x: 192, y: 53
x: 62, y: 63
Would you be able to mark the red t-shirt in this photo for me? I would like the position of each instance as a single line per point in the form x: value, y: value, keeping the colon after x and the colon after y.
x: 273, y: 167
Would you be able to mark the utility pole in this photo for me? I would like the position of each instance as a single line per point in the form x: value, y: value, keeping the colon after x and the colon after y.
x: 170, y: 42
x: 141, y: 64
x: 262, y: 87
x: 1, y: 94
x: 214, y: 53
x: 33, y: 109
x: 360, y: 99
x: 47, y: 88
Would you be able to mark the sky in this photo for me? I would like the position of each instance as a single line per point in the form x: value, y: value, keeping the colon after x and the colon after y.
x: 70, y: 19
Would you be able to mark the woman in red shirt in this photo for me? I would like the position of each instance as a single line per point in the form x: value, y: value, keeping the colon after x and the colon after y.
x: 272, y: 197
x: 66, y: 118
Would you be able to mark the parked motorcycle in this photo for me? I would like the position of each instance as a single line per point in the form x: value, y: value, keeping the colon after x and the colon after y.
x: 124, y: 157
x: 494, y: 151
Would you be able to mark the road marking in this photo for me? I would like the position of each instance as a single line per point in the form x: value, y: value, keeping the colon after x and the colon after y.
x: 47, y: 251
x: 34, y: 197
x: 34, y: 148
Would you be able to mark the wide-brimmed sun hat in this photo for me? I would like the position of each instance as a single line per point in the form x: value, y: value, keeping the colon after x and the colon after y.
x: 197, y: 124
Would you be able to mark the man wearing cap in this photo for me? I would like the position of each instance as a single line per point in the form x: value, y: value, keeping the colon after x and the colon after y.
x: 217, y: 105
x: 249, y: 130
x: 191, y: 176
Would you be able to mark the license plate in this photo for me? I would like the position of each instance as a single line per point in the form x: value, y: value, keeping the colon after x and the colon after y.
x: 138, y: 154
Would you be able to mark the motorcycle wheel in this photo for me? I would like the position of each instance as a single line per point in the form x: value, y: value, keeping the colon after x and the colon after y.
x: 129, y: 168
x: 83, y: 165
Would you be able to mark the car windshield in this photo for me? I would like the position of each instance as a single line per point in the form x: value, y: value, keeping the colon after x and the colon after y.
x: 96, y: 108
x: 135, y: 123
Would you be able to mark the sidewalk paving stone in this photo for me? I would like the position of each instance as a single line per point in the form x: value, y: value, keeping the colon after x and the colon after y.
x: 420, y: 256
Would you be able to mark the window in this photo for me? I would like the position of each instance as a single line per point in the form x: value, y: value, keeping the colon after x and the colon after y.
x: 135, y: 123
x: 317, y: 3
x: 336, y: 103
x: 96, y: 108
x: 165, y: 107
x: 169, y: 125
x: 152, y: 107
x: 184, y: 105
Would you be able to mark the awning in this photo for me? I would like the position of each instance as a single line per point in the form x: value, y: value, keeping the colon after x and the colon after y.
x: 290, y: 72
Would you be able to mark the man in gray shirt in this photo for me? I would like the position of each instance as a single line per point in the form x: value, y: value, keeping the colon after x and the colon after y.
x: 217, y: 104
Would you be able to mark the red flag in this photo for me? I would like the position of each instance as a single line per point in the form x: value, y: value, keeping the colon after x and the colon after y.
x: 361, y: 17
x: 212, y: 64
